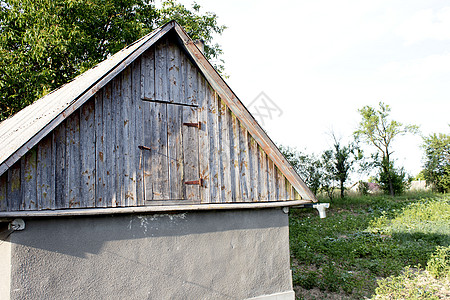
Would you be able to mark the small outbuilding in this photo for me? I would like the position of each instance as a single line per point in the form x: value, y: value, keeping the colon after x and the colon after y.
x: 144, y: 178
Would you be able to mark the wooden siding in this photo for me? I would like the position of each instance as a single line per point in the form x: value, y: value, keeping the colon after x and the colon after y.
x: 94, y: 159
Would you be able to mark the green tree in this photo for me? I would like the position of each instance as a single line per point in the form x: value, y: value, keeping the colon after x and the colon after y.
x: 44, y: 44
x: 343, y: 158
x: 328, y: 168
x: 309, y: 167
x: 198, y: 26
x: 437, y: 161
x: 325, y: 172
x: 378, y: 130
x: 392, y: 180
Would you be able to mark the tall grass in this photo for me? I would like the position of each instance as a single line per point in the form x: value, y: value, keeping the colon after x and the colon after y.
x: 365, y: 239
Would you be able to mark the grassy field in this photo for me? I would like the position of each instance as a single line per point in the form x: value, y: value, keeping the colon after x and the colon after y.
x: 363, y: 248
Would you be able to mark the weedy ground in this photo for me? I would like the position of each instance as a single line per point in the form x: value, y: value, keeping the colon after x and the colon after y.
x: 373, y: 247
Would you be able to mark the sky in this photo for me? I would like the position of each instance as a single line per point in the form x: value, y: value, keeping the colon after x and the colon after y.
x: 318, y: 62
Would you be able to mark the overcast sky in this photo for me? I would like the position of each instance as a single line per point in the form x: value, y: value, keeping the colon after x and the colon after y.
x: 319, y: 61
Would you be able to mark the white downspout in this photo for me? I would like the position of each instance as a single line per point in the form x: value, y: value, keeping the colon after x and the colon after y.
x: 321, y: 209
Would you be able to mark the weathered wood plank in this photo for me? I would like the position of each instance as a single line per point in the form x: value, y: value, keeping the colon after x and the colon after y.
x: 137, y: 132
x: 100, y: 151
x: 14, y: 194
x: 262, y: 165
x: 213, y: 133
x: 281, y: 186
x: 128, y: 125
x: 233, y: 129
x: 3, y: 191
x: 117, y: 101
x: 147, y: 74
x: 45, y: 174
x: 192, y: 88
x: 204, y: 153
x: 191, y: 154
x: 254, y: 169
x: 159, y: 152
x: 183, y: 76
x: 289, y: 194
x: 174, y: 123
x: 146, y: 155
x: 59, y: 153
x: 175, y: 152
x: 276, y: 183
x: 28, y: 181
x: 73, y: 160
x: 109, y: 138
x: 87, y: 153
x: 244, y: 163
x: 174, y: 78
x: 161, y: 71
x: 271, y: 177
x: 224, y: 150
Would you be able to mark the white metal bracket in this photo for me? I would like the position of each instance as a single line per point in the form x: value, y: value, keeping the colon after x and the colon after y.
x: 321, y: 209
x: 319, y: 206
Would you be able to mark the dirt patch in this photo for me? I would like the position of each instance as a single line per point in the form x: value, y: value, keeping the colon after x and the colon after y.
x: 317, y: 294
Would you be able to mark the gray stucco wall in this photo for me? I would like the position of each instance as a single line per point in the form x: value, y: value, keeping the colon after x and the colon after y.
x: 196, y: 255
x: 5, y: 263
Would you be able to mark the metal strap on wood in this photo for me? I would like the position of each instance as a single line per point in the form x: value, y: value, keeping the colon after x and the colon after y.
x: 198, y: 125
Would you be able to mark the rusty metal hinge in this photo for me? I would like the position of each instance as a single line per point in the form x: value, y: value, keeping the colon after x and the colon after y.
x: 198, y: 125
x: 195, y: 182
x: 145, y: 148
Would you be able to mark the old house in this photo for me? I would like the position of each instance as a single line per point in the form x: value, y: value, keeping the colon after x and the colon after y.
x: 144, y: 178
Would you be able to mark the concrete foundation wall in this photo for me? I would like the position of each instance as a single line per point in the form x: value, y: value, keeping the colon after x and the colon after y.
x: 5, y: 264
x: 197, y: 255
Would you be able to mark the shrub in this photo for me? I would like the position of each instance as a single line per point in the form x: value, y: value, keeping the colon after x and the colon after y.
x: 439, y: 263
x: 390, y: 175
x: 437, y: 161
x: 363, y: 188
x: 409, y: 285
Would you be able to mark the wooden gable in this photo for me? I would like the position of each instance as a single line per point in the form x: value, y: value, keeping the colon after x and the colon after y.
x: 158, y: 133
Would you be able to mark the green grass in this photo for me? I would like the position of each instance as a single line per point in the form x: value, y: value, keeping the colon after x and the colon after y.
x: 365, y: 240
